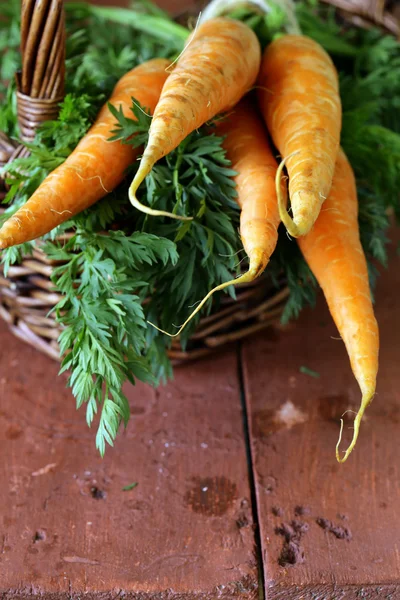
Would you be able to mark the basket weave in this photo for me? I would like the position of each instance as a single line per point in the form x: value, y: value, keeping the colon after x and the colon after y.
x: 27, y: 295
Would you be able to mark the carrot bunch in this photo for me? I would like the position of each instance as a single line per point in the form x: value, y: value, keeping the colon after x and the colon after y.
x: 298, y: 107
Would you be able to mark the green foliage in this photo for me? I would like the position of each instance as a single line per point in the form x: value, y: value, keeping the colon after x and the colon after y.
x: 130, y: 486
x: 287, y: 260
x: 133, y: 131
x: 104, y: 335
x: 9, y: 42
x: 307, y: 371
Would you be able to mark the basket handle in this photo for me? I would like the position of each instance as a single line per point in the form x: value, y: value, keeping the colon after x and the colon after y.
x: 365, y: 13
x: 40, y: 83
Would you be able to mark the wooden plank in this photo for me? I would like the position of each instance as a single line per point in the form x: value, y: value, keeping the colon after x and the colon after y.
x: 294, y: 428
x: 66, y: 526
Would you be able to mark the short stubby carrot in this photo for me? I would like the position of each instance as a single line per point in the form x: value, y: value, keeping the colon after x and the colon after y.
x: 219, y: 65
x: 334, y: 254
x: 299, y: 98
x: 248, y: 149
x: 93, y: 169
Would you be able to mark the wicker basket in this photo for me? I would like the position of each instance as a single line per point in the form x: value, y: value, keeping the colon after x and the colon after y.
x: 27, y: 295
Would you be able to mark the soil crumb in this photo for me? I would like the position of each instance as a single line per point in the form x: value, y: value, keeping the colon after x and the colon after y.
x: 341, y: 533
x: 277, y: 511
x: 97, y: 494
x: 242, y: 521
x: 342, y: 517
x: 292, y: 552
x: 301, y: 511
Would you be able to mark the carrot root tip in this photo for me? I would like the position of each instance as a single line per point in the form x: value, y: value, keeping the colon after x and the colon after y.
x: 140, y: 176
x: 286, y: 219
x: 357, y: 422
x: 155, y: 213
x: 257, y: 266
x: 5, y: 243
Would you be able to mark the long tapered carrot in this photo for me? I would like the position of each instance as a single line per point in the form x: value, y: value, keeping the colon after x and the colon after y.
x: 93, y: 169
x: 299, y: 98
x: 247, y: 147
x: 334, y: 254
x: 218, y: 66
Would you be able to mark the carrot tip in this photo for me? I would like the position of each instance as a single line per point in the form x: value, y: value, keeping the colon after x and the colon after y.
x: 286, y: 219
x: 255, y: 269
x: 141, y: 174
x: 357, y: 421
x: 155, y: 213
x: 5, y: 243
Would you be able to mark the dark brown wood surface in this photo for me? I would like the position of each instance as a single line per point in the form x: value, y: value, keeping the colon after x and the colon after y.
x: 294, y: 426
x: 328, y: 531
x: 186, y: 531
x: 66, y: 526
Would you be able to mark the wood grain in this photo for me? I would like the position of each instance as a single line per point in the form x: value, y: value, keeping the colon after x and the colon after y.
x: 294, y: 422
x: 66, y: 526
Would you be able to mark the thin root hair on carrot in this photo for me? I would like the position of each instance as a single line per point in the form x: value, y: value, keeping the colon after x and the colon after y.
x: 190, y: 306
x: 63, y: 212
x: 141, y: 109
x: 167, y: 70
x: 240, y: 261
x: 230, y: 255
x: 357, y: 422
x: 94, y: 177
x: 261, y: 87
x: 286, y: 219
x: 349, y: 410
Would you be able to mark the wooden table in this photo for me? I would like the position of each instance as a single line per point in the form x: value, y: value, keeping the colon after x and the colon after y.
x: 239, y: 493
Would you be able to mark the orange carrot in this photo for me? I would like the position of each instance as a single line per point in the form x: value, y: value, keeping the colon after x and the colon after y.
x: 218, y: 66
x: 334, y: 254
x: 300, y: 102
x: 248, y: 149
x: 93, y: 169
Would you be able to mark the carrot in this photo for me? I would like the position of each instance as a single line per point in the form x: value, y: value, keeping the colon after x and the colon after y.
x: 248, y: 149
x: 218, y: 66
x: 334, y: 254
x: 93, y: 169
x: 299, y: 99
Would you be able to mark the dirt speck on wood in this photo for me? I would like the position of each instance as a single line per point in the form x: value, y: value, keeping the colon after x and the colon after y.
x: 341, y: 533
x: 301, y: 511
x: 292, y: 552
x: 277, y: 511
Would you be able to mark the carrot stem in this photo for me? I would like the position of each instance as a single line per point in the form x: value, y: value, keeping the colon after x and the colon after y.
x: 159, y: 27
x: 218, y: 8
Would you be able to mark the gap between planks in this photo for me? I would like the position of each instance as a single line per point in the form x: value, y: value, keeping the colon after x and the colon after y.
x: 250, y: 468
